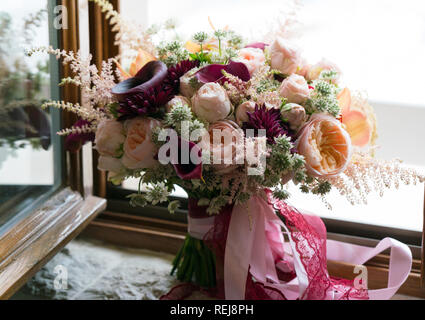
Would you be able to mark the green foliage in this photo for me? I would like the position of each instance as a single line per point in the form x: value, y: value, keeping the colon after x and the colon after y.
x: 202, y: 57
x: 323, y: 99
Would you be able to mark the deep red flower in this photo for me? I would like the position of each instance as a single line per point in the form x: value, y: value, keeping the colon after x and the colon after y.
x: 150, y: 76
x: 144, y: 103
x: 214, y: 72
x: 269, y: 120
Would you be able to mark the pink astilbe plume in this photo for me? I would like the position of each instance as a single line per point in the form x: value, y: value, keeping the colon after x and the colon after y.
x: 366, y: 174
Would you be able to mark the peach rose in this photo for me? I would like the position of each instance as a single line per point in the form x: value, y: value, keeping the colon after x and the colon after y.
x: 109, y: 138
x: 177, y: 100
x: 226, y: 149
x: 295, y: 89
x: 241, y: 111
x: 284, y: 57
x: 324, y: 65
x: 139, y: 150
x: 253, y: 58
x: 325, y: 145
x: 211, y: 103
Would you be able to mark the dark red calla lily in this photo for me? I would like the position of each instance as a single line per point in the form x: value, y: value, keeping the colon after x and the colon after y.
x: 188, y: 171
x: 257, y: 45
x: 150, y: 76
x: 214, y: 72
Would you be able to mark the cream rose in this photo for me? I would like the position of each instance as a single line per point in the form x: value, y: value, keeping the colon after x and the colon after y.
x: 241, y: 112
x: 324, y: 65
x: 139, y: 150
x: 295, y: 89
x: 211, y: 103
x: 295, y: 115
x: 177, y: 100
x: 253, y: 58
x: 110, y: 164
x: 186, y: 86
x: 285, y: 57
x: 224, y: 141
x: 109, y: 138
x: 325, y: 145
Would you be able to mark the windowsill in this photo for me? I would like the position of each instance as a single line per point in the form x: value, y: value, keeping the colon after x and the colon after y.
x: 97, y: 271
x: 30, y: 243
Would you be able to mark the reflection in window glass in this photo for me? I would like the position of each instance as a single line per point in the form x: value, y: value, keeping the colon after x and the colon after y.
x: 26, y: 144
x: 380, y: 48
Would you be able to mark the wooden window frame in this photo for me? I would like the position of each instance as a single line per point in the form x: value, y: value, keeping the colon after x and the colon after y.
x: 30, y: 242
x: 154, y: 229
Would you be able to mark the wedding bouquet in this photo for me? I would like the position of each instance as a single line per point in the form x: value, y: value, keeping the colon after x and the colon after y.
x: 232, y: 122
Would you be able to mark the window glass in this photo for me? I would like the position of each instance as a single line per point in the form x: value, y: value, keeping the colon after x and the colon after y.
x: 379, y: 45
x: 29, y: 149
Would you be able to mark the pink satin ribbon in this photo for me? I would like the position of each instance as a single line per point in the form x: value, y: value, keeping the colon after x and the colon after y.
x: 255, y: 243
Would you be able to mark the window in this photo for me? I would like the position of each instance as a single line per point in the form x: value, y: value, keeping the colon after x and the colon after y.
x: 39, y: 213
x: 30, y: 153
x: 375, y: 53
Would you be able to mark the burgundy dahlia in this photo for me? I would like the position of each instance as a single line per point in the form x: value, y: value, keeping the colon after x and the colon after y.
x: 269, y: 120
x: 144, y: 103
x: 172, y: 81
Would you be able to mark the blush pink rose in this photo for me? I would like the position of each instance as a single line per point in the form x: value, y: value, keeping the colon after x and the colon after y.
x: 253, y: 58
x: 285, y: 57
x: 139, y: 150
x: 323, y: 65
x: 226, y: 150
x: 295, y: 89
x: 325, y: 145
x: 304, y: 69
x: 109, y: 138
x: 241, y: 111
x: 211, y: 103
